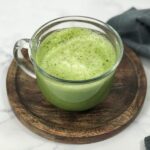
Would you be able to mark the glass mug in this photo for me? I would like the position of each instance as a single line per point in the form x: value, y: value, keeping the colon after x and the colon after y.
x: 68, y: 94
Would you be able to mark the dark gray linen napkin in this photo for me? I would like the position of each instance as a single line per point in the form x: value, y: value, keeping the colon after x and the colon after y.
x: 134, y: 28
x: 147, y: 143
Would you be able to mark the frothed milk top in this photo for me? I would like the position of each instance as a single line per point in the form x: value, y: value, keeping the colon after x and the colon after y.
x: 75, y: 54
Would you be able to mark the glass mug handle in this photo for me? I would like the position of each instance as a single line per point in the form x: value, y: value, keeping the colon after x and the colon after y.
x: 22, y: 57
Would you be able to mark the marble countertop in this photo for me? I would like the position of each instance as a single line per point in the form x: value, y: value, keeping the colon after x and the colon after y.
x: 19, y: 19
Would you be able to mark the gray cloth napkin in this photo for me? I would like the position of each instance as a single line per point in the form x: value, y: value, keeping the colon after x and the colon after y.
x: 134, y: 28
x: 147, y: 143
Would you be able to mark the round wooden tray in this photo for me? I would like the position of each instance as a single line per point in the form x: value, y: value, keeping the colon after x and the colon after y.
x: 105, y: 120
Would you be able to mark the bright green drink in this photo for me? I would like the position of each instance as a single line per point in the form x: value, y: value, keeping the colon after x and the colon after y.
x: 75, y: 54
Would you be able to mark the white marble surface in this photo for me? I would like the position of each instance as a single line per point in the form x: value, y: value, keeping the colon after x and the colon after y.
x: 19, y: 19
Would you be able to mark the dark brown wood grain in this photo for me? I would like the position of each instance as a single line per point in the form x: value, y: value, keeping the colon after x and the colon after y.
x: 105, y: 120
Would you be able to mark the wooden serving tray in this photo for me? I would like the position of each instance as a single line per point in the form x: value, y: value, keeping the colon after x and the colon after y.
x: 105, y: 120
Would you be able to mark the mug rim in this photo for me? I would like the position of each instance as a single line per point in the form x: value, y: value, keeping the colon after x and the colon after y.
x: 79, y: 18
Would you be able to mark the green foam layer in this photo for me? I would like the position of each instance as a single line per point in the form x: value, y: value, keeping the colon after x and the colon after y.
x: 75, y: 54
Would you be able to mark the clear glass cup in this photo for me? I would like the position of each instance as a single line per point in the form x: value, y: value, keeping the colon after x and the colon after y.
x: 68, y: 94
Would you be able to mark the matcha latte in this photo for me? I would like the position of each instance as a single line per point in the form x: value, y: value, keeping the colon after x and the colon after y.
x: 75, y: 54
x: 74, y: 61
